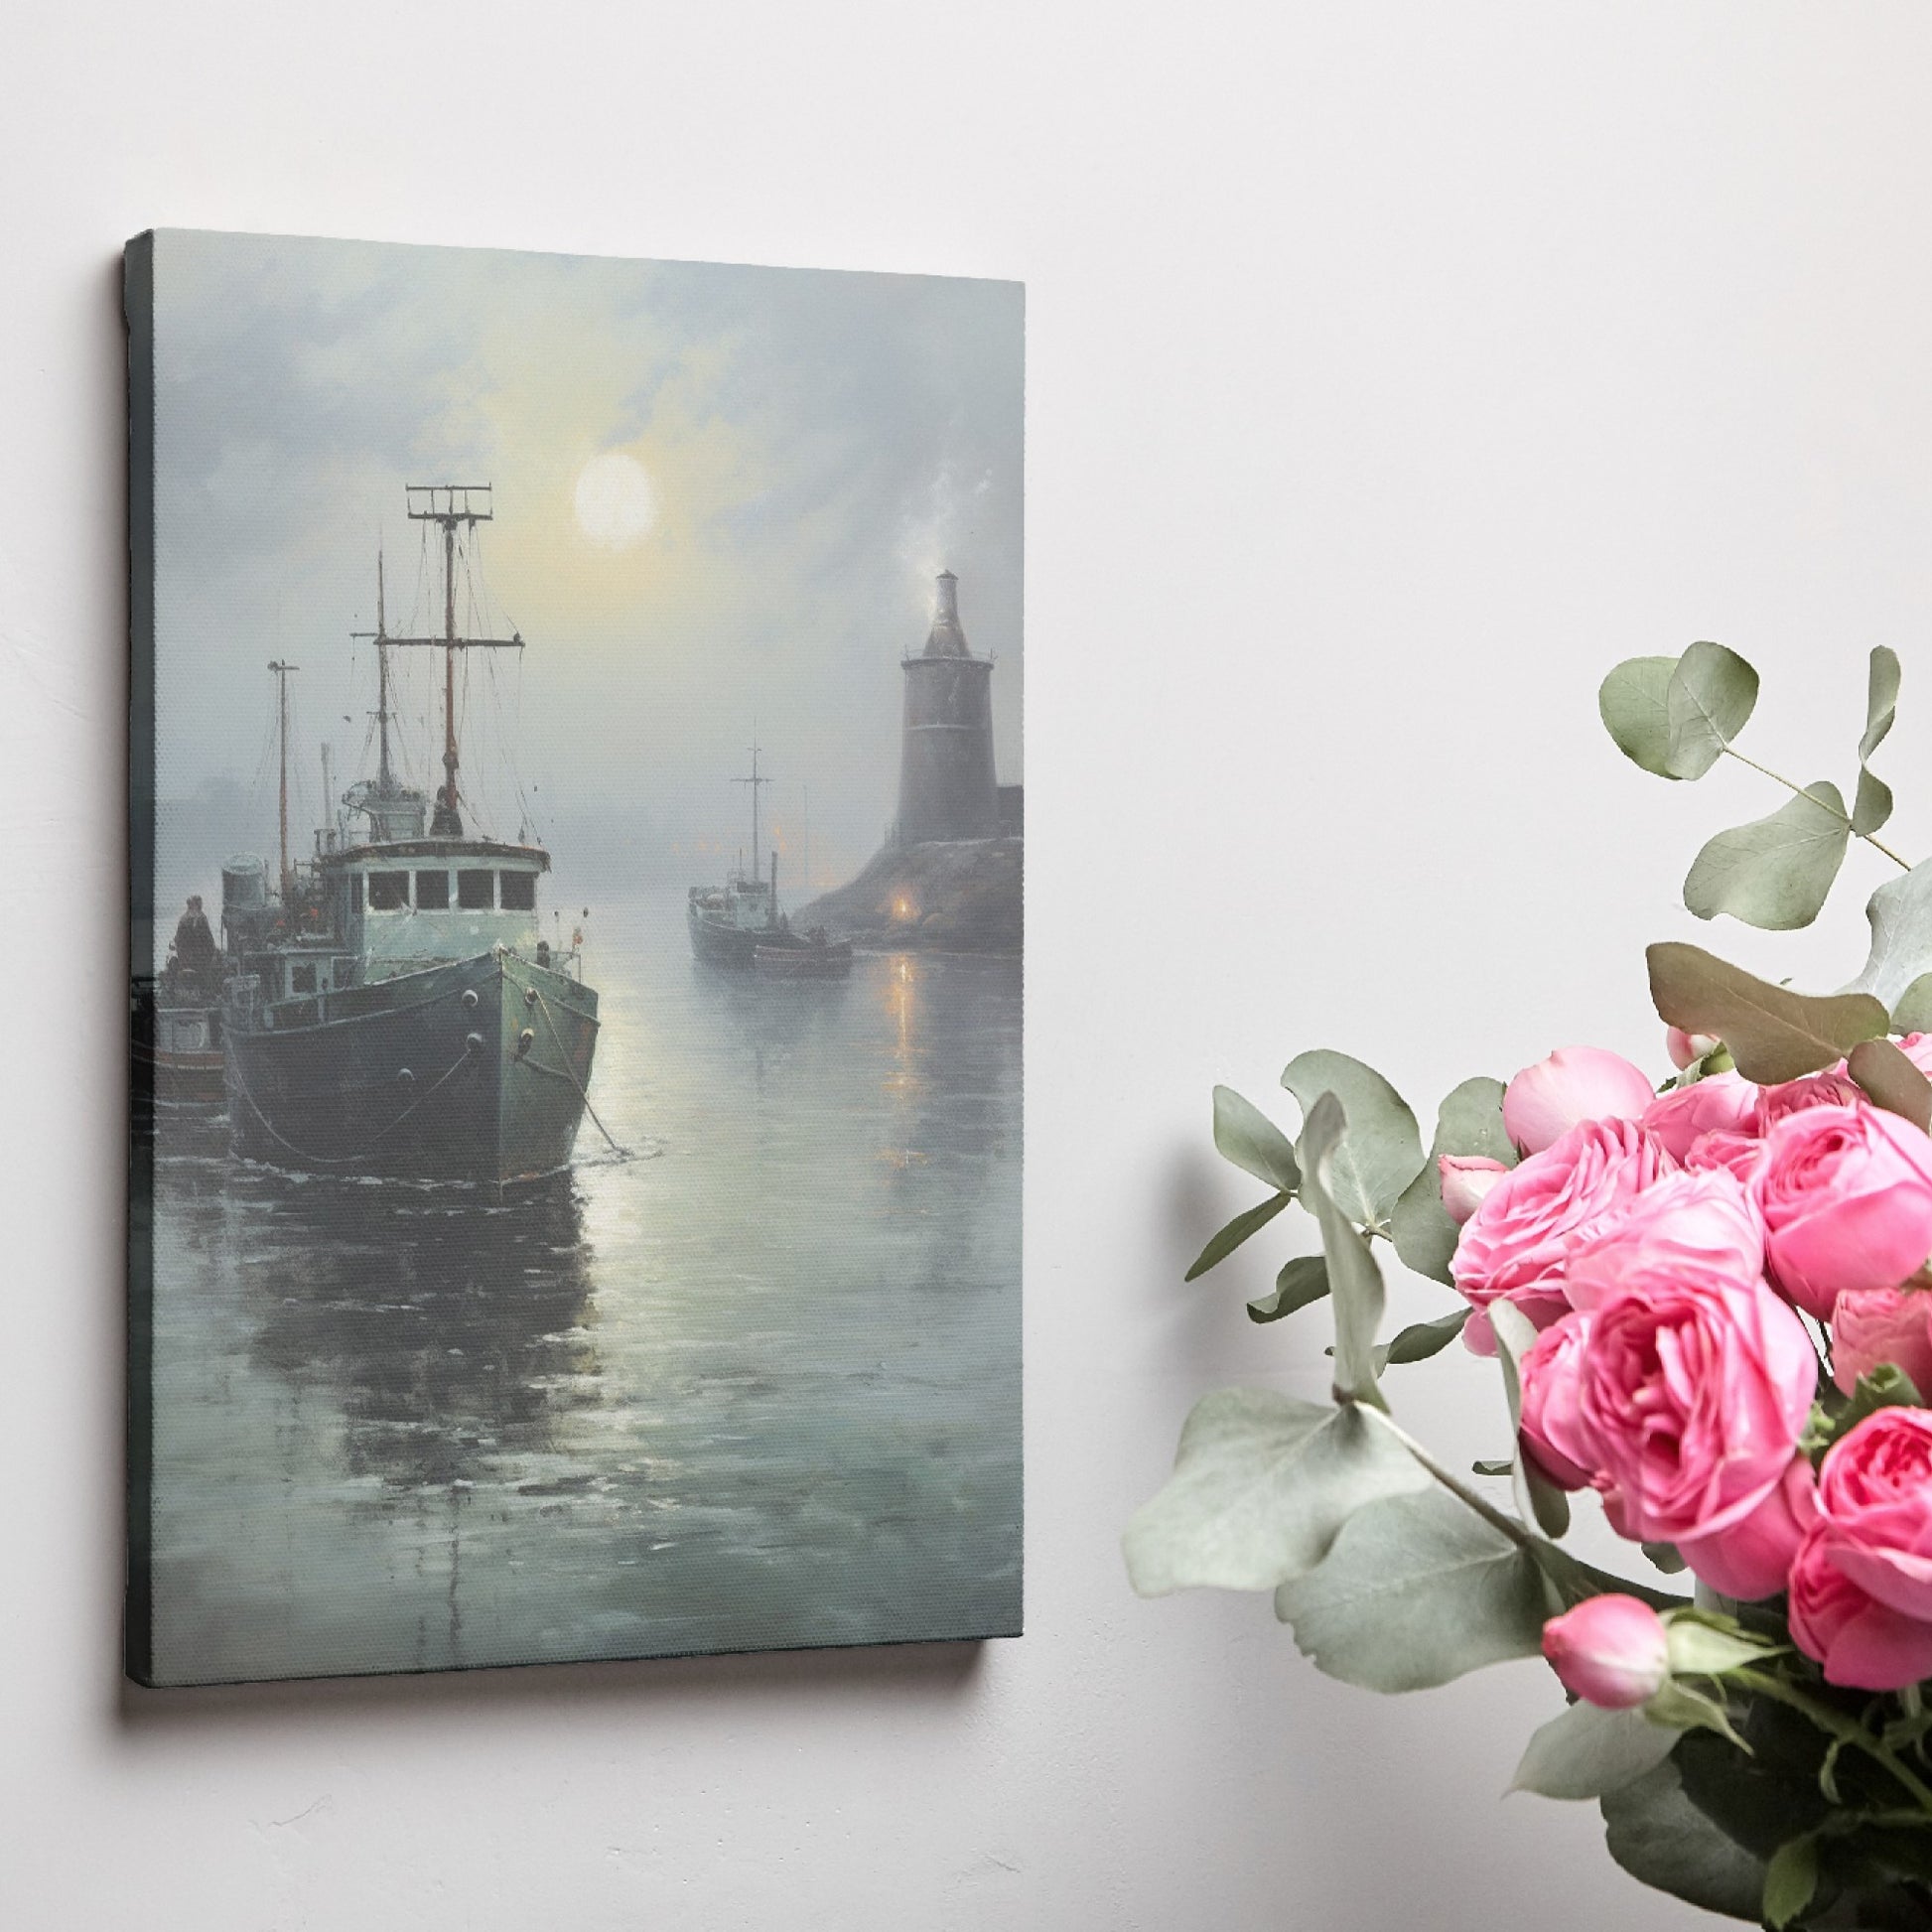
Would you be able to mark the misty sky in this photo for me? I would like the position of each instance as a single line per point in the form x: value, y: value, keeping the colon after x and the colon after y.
x: 779, y: 461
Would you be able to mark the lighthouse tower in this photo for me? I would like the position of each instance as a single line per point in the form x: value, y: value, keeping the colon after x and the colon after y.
x: 946, y: 783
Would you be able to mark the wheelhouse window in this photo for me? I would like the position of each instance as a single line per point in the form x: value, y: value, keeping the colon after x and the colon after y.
x: 519, y: 892
x: 432, y: 892
x: 388, y: 890
x: 302, y: 979
x: 475, y: 892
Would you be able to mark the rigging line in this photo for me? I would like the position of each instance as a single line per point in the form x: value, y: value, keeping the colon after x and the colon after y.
x: 563, y: 1053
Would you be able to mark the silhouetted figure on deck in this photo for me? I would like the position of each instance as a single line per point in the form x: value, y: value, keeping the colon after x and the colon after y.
x: 193, y: 959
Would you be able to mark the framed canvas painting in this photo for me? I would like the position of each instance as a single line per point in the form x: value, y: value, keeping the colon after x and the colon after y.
x: 577, y: 845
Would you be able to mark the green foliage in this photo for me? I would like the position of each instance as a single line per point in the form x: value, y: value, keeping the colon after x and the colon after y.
x: 1587, y: 1751
x: 1658, y: 1835
x: 1262, y: 1484
x: 1872, y: 806
x: 1790, y: 1880
x: 1772, y: 1032
x: 1470, y: 1121
x: 1634, y: 704
x: 1302, y: 1279
x: 1355, y: 1281
x: 1891, y: 1081
x: 1911, y: 1012
x: 1224, y: 1244
x: 1246, y: 1136
x: 1536, y: 1497
x: 1709, y: 700
x: 1422, y: 1340
x: 1381, y: 1151
x: 1777, y: 872
x: 1900, y: 914
x: 1417, y: 1590
x: 1886, y: 1387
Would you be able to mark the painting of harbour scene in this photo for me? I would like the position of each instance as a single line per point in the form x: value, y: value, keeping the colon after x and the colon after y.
x: 576, y: 986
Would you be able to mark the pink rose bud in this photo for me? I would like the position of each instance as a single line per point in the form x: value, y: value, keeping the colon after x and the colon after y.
x: 1467, y: 1177
x: 1832, y: 1088
x: 1685, y: 1049
x: 1611, y: 1651
x: 1870, y: 1325
x: 1553, y: 1437
x: 1574, y: 1084
x: 1846, y: 1193
x: 1753, y: 1557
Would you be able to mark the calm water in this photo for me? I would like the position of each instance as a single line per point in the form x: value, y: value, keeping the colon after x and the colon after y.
x: 757, y: 1384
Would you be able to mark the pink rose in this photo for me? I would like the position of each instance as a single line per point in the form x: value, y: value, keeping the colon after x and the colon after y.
x: 1518, y: 1241
x: 1576, y: 1083
x: 1685, y: 1049
x: 1874, y: 1492
x: 1610, y: 1651
x: 1832, y: 1088
x: 1870, y: 1325
x: 1721, y: 1103
x: 1862, y: 1643
x: 1467, y: 1177
x: 1753, y: 1557
x: 1552, y: 1432
x: 1698, y: 1226
x: 1694, y: 1391
x: 1846, y: 1193
x: 1736, y: 1153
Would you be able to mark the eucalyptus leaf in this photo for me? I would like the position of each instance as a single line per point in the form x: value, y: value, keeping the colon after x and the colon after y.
x: 1900, y: 912
x: 1301, y: 1281
x: 1224, y: 1244
x: 1355, y: 1279
x: 1537, y: 1499
x: 1422, y: 1340
x: 1382, y: 1149
x: 1588, y: 1751
x: 1417, y: 1590
x: 1709, y: 700
x: 1772, y: 1034
x: 1262, y: 1484
x: 1470, y: 1121
x: 1632, y: 704
x: 1666, y: 1555
x: 1790, y: 1880
x: 1872, y: 806
x: 1246, y: 1136
x: 1774, y: 873
x: 1891, y: 1081
x: 1912, y: 1012
x: 1655, y: 1833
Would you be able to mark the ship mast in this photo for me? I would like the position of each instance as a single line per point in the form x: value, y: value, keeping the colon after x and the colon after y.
x: 450, y: 505
x: 282, y: 671
x: 755, y: 782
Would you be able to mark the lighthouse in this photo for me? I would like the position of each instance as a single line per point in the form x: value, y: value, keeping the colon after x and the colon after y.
x: 946, y: 783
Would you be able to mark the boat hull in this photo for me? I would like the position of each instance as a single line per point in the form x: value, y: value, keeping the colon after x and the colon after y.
x: 803, y: 960
x: 474, y: 1072
x: 719, y: 944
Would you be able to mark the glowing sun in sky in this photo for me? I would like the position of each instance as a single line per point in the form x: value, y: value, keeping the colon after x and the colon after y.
x: 615, y: 504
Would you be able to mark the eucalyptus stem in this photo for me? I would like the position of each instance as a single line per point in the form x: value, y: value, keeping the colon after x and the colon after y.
x: 1778, y: 777
x: 1483, y: 1507
x: 1835, y: 1724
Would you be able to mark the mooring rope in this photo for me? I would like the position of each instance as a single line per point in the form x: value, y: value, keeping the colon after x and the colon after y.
x: 563, y: 1055
x: 339, y: 1160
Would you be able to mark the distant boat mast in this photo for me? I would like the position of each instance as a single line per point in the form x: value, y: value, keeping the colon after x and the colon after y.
x: 755, y: 782
x: 282, y: 671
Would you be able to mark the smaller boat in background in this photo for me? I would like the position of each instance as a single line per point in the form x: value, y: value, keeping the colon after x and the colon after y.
x: 739, y: 924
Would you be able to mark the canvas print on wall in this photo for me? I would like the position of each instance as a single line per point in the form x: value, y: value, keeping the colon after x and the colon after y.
x: 577, y: 843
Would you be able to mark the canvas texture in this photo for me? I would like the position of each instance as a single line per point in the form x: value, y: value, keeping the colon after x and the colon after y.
x: 577, y: 851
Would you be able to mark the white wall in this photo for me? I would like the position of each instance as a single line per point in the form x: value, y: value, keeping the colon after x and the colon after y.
x: 1393, y: 370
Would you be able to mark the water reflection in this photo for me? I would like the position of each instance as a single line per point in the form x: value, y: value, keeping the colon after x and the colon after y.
x: 453, y: 1332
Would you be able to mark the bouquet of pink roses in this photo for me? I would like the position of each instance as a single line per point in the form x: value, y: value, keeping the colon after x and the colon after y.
x: 1711, y: 1306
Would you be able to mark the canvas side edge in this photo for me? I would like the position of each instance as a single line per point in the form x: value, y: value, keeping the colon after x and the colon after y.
x: 138, y: 307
